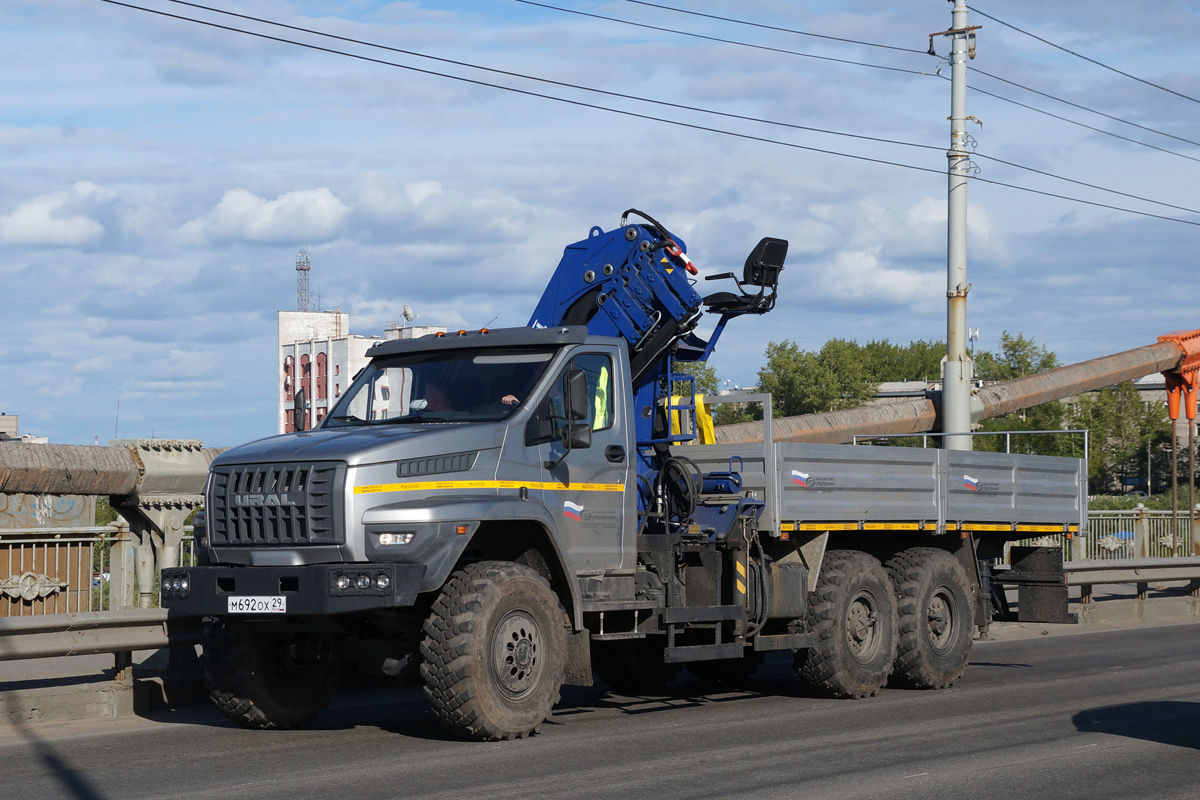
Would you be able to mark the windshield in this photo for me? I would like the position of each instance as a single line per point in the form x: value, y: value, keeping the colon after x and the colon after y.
x: 448, y: 386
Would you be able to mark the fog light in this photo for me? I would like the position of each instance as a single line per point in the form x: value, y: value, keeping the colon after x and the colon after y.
x: 185, y: 584
x: 364, y: 582
x: 343, y: 581
x: 395, y: 538
x: 383, y: 581
x: 175, y: 584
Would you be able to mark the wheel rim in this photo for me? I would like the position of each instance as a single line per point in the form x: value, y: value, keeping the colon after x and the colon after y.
x: 289, y: 663
x: 942, y: 621
x: 862, y: 629
x: 516, y: 654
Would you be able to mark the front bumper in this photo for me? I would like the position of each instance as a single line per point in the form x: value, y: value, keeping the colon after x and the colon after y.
x: 309, y: 590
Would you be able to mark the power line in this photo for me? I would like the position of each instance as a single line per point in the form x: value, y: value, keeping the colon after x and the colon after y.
x: 1080, y: 55
x: 1080, y: 124
x: 564, y: 84
x: 1084, y: 183
x: 775, y: 28
x: 891, y: 47
x: 631, y: 114
x: 677, y: 32
x: 1084, y: 108
x: 662, y: 102
x: 661, y: 29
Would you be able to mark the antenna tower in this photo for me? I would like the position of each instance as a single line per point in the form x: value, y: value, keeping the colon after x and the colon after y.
x: 303, y: 297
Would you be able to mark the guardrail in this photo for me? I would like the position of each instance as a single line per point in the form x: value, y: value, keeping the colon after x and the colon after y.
x: 95, y: 632
x: 1139, y: 571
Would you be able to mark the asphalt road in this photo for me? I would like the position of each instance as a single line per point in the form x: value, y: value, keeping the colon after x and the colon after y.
x: 1114, y: 714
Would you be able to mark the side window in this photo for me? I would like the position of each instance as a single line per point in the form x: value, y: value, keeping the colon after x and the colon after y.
x: 546, y: 423
x: 600, y: 395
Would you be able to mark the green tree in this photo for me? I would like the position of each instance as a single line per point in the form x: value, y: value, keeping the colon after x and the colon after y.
x: 916, y: 361
x: 1018, y: 356
x: 105, y: 513
x: 1120, y: 427
x: 805, y: 382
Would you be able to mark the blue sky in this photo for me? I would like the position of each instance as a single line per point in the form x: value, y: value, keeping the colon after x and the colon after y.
x: 157, y: 177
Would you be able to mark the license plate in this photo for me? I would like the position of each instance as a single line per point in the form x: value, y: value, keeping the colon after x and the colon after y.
x: 273, y: 604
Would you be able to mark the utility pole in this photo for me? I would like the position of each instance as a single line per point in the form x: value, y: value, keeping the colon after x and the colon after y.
x: 958, y: 371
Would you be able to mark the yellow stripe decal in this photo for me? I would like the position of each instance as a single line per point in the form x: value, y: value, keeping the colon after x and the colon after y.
x: 741, y: 587
x: 428, y: 486
x: 972, y: 526
x: 1040, y: 528
x: 1073, y: 528
x: 930, y: 526
x: 828, y: 526
x: 891, y: 526
x: 741, y: 568
x: 788, y: 526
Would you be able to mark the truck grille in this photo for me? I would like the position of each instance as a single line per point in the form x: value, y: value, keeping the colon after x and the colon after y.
x: 276, y: 504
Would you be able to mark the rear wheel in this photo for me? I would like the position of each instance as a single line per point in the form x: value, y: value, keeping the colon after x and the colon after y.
x: 853, y: 612
x: 264, y: 679
x: 936, y: 618
x: 494, y: 650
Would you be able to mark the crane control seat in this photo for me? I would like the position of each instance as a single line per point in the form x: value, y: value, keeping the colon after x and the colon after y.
x: 762, y: 269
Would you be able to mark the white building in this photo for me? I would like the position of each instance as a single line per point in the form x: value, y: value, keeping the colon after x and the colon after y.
x: 318, y: 353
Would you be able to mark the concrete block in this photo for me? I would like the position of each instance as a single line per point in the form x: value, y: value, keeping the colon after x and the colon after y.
x: 93, y: 700
x: 1169, y: 608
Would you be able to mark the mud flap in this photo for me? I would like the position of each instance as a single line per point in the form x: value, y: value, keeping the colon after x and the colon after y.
x: 578, y: 669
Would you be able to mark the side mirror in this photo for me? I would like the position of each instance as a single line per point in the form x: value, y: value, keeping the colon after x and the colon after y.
x: 577, y: 436
x: 577, y: 394
x: 765, y: 262
x: 300, y: 410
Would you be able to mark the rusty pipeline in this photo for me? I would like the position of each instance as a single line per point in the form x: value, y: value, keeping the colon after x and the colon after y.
x: 923, y: 416
x: 74, y: 469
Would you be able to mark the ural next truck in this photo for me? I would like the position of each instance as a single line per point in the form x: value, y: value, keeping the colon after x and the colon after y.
x: 511, y: 510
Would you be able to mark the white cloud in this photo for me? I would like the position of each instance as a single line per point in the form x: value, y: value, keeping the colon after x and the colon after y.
x: 301, y: 216
x: 57, y: 218
x: 858, y: 275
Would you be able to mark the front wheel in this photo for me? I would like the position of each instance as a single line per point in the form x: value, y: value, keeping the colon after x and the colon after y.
x: 494, y: 651
x: 264, y: 679
x: 853, y: 612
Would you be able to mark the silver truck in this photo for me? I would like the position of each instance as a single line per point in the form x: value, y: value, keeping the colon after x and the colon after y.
x: 511, y: 510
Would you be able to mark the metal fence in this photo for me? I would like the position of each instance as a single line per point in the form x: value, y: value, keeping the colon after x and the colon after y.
x: 1116, y: 535
x: 66, y: 570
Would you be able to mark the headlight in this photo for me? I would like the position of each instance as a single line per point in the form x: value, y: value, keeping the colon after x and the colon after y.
x: 364, y: 582
x: 386, y: 539
x: 343, y: 581
x: 383, y: 581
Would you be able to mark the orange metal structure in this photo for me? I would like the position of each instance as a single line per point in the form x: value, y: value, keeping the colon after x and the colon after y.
x: 1183, y: 379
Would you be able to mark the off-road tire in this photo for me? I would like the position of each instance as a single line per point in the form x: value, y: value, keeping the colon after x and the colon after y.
x: 258, y: 679
x: 494, y: 651
x: 936, y: 618
x: 729, y: 671
x: 634, y: 666
x: 853, y: 612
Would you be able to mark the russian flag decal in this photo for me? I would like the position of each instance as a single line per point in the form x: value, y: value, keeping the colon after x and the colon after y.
x: 800, y: 478
x: 572, y: 510
x: 971, y: 483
